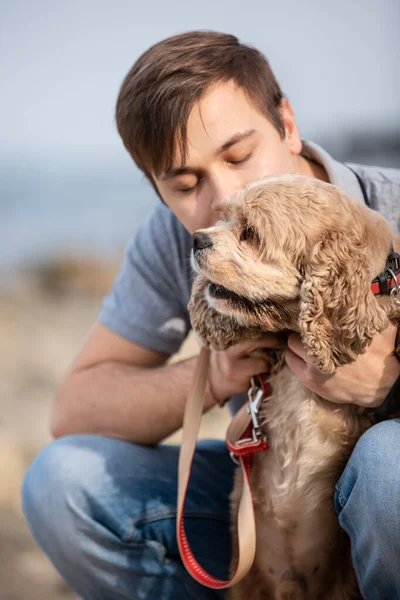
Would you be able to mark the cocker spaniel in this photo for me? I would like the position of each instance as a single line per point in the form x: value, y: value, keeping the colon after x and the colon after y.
x: 293, y: 253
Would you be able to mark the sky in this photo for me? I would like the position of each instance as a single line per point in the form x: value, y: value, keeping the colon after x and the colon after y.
x: 61, y: 64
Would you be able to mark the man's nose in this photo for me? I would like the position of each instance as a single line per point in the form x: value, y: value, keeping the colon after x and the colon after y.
x: 223, y: 190
x: 219, y: 204
x: 201, y: 241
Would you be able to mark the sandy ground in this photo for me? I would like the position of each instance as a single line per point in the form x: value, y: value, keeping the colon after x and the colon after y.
x: 43, y: 320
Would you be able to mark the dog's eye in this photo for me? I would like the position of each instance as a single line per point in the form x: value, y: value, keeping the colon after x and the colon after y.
x: 248, y: 234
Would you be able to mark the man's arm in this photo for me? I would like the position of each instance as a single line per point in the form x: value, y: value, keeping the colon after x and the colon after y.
x: 119, y: 389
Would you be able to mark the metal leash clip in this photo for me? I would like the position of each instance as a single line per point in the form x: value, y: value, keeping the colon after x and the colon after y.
x: 395, y: 292
x: 255, y: 396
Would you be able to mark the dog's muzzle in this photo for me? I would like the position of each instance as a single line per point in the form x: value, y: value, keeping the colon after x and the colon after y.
x: 201, y: 241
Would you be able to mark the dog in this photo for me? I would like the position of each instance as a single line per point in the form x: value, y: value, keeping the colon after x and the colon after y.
x: 295, y: 254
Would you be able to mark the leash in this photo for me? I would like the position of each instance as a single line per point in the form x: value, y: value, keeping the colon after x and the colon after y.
x: 243, y: 439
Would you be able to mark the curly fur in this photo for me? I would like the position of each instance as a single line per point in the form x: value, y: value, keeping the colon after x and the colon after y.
x: 295, y: 254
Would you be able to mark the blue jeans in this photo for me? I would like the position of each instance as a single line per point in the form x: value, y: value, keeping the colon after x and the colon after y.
x: 104, y: 510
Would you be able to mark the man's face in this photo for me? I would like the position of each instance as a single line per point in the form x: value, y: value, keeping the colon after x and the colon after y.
x: 229, y: 144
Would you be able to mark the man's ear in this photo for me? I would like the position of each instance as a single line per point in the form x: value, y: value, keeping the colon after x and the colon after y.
x: 292, y: 135
x: 339, y: 314
x: 213, y: 329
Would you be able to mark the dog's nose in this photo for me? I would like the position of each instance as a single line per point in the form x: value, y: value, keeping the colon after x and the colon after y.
x: 201, y: 241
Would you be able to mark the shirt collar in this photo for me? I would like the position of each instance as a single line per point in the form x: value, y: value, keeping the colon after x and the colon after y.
x: 338, y: 173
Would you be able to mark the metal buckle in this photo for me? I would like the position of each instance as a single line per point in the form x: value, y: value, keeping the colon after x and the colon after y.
x: 255, y: 396
x: 394, y: 261
x: 396, y: 290
x: 234, y: 459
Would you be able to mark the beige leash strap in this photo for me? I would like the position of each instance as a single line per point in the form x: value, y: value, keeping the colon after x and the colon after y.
x: 245, y: 522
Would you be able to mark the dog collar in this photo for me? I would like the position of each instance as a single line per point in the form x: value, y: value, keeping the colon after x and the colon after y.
x: 388, y: 282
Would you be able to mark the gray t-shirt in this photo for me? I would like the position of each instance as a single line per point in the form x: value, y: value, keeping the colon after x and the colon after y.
x: 148, y: 301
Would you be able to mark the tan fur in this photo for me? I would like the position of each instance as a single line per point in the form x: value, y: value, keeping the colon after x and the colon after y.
x: 300, y: 256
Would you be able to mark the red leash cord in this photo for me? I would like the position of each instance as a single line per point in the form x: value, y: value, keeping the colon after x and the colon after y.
x: 243, y: 439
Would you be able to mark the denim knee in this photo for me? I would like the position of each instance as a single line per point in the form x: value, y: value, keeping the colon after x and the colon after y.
x: 55, y: 491
x: 372, y: 476
x: 367, y: 502
x: 104, y: 511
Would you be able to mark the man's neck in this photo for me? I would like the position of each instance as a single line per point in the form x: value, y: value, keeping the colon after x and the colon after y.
x: 312, y: 169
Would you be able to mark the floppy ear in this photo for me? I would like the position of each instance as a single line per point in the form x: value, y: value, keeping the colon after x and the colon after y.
x: 214, y: 330
x: 339, y: 314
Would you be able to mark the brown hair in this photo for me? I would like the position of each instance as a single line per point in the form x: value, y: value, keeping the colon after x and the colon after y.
x: 159, y: 91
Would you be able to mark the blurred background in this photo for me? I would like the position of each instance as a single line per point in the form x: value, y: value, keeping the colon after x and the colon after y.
x: 70, y: 196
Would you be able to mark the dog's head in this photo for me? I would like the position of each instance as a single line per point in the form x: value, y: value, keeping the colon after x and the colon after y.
x: 292, y: 253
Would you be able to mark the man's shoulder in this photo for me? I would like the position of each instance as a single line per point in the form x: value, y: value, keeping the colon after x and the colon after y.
x: 163, y: 232
x: 163, y: 243
x: 376, y: 174
x: 164, y: 220
x: 382, y: 186
x: 148, y: 301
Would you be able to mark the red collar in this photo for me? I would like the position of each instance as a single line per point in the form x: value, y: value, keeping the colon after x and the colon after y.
x: 389, y: 279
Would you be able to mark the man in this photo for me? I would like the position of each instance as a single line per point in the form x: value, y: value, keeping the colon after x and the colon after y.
x: 201, y: 115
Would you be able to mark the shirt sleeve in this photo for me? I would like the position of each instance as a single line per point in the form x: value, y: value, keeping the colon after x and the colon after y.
x: 148, y: 301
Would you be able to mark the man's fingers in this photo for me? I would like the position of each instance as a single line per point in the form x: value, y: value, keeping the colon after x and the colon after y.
x: 251, y: 367
x: 390, y: 333
x: 295, y: 364
x: 271, y: 340
x: 242, y: 370
x: 296, y: 346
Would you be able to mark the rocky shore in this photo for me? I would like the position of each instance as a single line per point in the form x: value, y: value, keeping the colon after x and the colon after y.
x: 44, y: 316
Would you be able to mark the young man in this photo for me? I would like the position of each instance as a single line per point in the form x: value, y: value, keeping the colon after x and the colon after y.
x: 201, y: 115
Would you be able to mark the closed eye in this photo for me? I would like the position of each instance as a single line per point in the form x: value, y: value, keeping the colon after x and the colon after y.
x: 241, y: 161
x: 188, y: 189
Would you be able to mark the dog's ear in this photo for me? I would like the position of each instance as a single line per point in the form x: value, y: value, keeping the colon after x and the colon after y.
x: 213, y: 329
x: 339, y: 314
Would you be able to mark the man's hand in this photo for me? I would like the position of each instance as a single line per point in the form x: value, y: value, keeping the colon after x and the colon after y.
x: 231, y: 370
x: 365, y: 382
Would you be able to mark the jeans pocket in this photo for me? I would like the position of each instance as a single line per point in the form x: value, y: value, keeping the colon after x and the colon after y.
x: 338, y: 499
x: 157, y: 529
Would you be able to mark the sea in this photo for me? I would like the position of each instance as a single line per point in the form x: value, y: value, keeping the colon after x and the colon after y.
x: 49, y: 209
x: 52, y: 205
